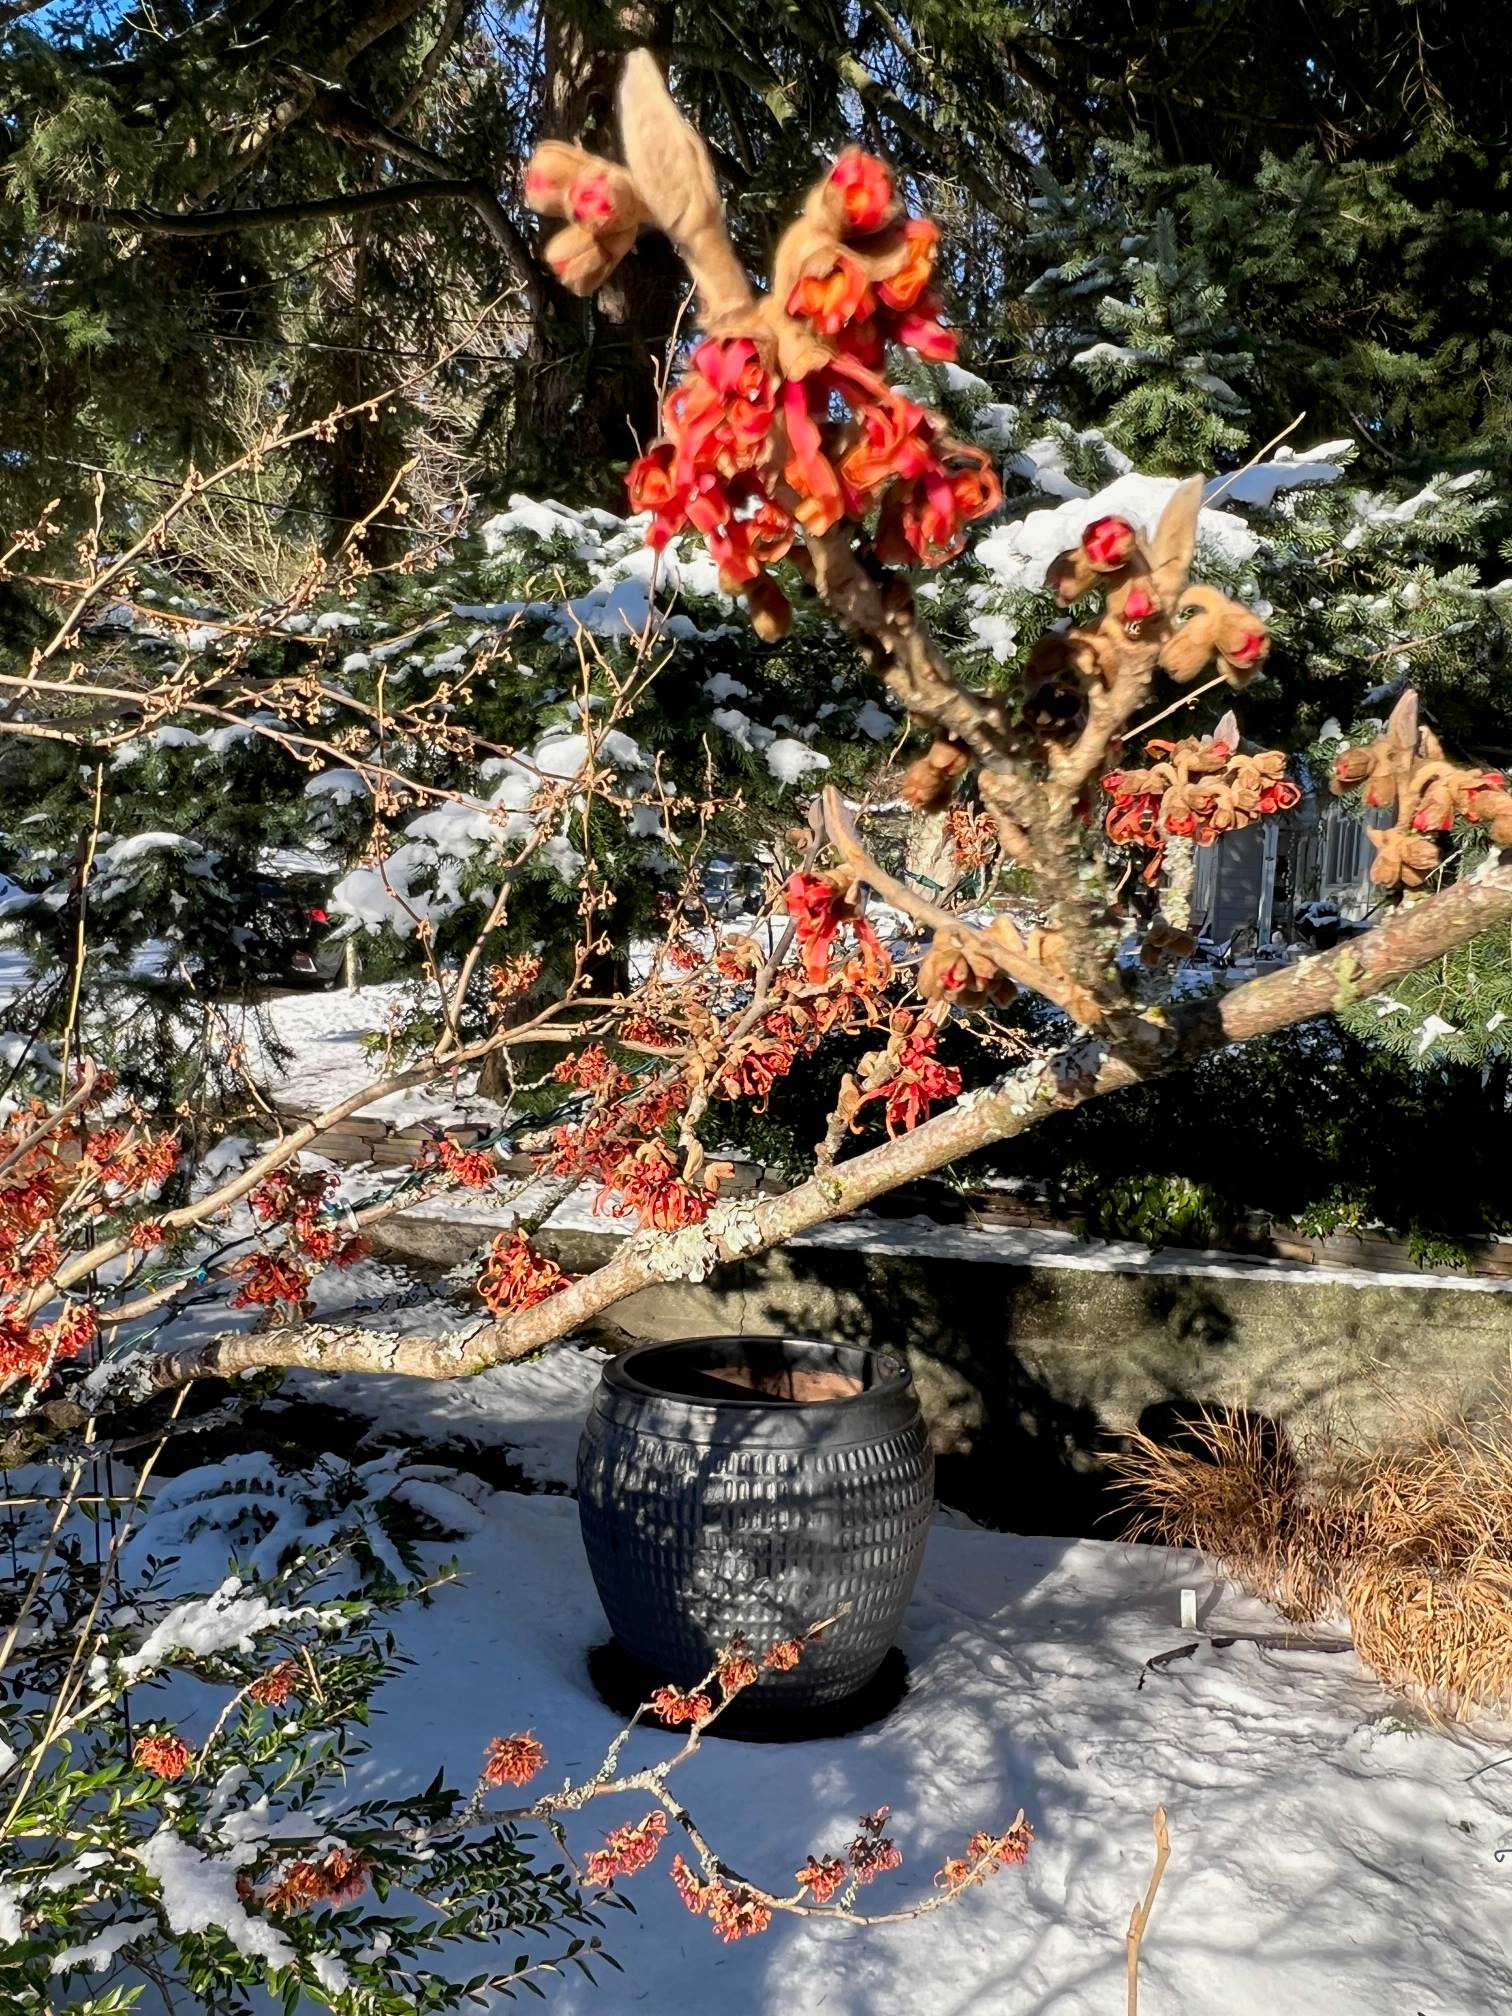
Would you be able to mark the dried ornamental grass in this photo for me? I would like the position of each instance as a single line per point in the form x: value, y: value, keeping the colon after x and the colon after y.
x: 1411, y: 1545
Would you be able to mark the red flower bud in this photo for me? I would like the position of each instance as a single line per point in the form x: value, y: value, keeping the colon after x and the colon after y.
x: 1107, y: 543
x: 866, y: 190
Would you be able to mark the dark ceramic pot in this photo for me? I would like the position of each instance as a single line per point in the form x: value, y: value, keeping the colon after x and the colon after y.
x: 756, y: 1485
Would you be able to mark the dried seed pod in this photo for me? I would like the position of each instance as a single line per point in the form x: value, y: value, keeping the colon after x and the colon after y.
x: 1403, y: 860
x: 550, y: 173
x: 1213, y: 626
x: 582, y: 259
x: 1165, y: 940
x: 771, y: 611
x: 929, y: 782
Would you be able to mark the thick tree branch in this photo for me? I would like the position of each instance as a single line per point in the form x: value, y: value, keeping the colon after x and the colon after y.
x: 338, y: 113
x: 1081, y: 1071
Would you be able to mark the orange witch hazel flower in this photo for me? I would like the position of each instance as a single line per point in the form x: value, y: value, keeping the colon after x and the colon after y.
x: 268, y: 1280
x: 161, y: 1753
x: 339, y: 1877
x: 866, y: 189
x: 789, y: 421
x: 473, y: 1168
x: 819, y: 908
x: 276, y: 1685
x: 985, y: 1854
x: 733, y: 1911
x: 783, y: 1656
x: 516, y: 1277
x: 674, y: 1707
x: 628, y: 1850
x: 512, y: 1760
x: 822, y: 1876
x: 736, y: 1672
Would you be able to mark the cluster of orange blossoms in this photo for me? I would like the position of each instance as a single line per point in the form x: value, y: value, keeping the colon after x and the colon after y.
x: 783, y: 1656
x: 1191, y: 627
x: 516, y: 1277
x: 473, y: 1168
x: 276, y: 1685
x: 917, y: 1080
x: 822, y: 1876
x: 512, y: 1760
x: 626, y: 1851
x: 591, y: 1070
x: 1195, y: 790
x: 732, y: 1910
x: 28, y: 1349
x: 61, y: 1170
x: 339, y: 1877
x: 786, y: 421
x: 1405, y: 771
x: 873, y: 1853
x: 674, y: 1707
x: 638, y: 1173
x: 820, y: 907
x: 735, y: 1670
x: 296, y: 1201
x: 163, y: 1754
x: 870, y: 1855
x: 510, y: 981
x: 972, y: 835
x: 985, y: 1854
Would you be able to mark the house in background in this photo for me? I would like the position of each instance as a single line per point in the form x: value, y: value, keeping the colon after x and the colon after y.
x: 1261, y: 877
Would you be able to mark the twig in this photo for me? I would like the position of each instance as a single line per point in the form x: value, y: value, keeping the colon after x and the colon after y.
x: 1141, y: 1917
x: 1258, y: 456
x: 1267, y: 1641
x: 1176, y: 706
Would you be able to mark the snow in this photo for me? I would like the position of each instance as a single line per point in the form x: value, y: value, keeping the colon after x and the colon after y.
x: 98, y: 1952
x: 535, y: 1410
x: 742, y: 729
x: 199, y: 1895
x: 12, y: 1898
x: 421, y: 879
x: 226, y: 1621
x: 875, y: 722
x: 545, y: 520
x: 788, y: 760
x: 1330, y: 1852
x: 1109, y: 353
x: 1017, y: 554
x: 330, y: 1060
x: 724, y: 686
x: 139, y: 845
x: 343, y: 785
x: 1287, y: 470
x: 1029, y: 1246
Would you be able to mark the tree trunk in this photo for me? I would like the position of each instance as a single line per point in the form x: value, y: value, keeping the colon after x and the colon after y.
x: 585, y: 398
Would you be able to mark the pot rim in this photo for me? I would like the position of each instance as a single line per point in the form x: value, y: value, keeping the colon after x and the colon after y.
x: 892, y: 1376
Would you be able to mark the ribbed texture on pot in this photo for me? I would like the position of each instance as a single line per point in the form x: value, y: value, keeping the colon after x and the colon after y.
x: 706, y: 1517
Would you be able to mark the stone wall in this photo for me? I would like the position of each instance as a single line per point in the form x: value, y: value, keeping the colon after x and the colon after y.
x: 1030, y: 1374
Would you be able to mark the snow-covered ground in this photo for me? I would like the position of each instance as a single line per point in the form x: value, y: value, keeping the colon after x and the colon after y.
x: 1332, y: 1853
x: 1329, y: 1854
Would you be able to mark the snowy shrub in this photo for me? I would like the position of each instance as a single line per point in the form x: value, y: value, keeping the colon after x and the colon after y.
x: 174, y: 1765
